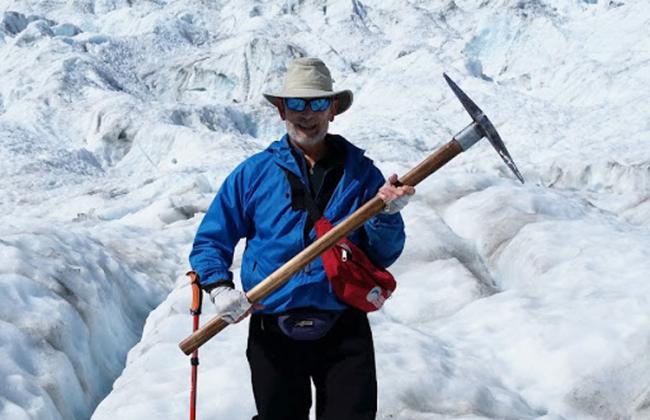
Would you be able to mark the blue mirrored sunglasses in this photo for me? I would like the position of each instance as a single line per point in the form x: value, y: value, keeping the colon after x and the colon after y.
x: 316, y: 105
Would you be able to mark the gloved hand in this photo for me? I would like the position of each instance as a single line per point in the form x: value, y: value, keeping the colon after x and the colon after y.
x: 231, y: 304
x: 395, y: 197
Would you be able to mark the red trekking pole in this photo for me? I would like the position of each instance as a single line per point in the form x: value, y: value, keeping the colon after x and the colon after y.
x: 195, y: 310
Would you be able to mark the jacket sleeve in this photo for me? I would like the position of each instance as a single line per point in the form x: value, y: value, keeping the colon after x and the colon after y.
x: 384, y: 233
x: 222, y: 227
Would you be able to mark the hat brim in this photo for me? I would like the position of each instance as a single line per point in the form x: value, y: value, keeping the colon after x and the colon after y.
x: 344, y: 97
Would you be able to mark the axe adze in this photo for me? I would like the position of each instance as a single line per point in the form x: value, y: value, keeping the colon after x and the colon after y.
x: 479, y: 128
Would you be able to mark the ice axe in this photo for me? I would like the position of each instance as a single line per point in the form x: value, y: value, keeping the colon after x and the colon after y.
x: 479, y: 128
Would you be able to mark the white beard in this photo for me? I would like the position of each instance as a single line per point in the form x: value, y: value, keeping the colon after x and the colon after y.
x: 304, y: 141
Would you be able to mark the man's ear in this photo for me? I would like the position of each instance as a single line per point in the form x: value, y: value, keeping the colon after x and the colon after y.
x: 279, y: 103
x: 334, y: 109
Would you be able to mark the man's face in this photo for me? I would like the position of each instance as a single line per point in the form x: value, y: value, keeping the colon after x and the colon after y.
x: 307, y: 127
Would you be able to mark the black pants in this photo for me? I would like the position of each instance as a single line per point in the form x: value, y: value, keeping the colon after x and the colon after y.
x: 341, y: 364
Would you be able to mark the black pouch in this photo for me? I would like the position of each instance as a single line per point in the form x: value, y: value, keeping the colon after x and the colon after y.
x: 307, y: 324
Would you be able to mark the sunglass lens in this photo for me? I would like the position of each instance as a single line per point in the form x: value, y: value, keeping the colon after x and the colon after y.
x: 296, y: 104
x: 319, y: 105
x: 316, y: 105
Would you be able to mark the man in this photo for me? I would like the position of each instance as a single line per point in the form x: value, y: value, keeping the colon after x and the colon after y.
x: 259, y: 202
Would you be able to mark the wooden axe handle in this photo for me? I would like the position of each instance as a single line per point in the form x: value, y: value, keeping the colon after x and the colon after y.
x: 297, y: 263
x: 431, y: 164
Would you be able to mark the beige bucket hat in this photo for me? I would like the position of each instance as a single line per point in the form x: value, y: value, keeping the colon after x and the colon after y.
x: 310, y: 78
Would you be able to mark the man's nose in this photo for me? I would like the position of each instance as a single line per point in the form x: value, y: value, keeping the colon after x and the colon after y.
x: 307, y: 114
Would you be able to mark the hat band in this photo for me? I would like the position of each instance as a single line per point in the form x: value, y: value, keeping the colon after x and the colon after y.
x: 306, y: 93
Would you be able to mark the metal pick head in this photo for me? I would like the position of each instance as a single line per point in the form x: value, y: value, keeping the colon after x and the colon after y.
x: 485, y: 126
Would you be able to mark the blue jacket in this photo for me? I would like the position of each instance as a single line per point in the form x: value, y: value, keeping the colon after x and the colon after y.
x: 254, y: 202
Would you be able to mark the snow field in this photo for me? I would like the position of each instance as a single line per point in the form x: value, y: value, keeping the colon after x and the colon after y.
x: 119, y: 120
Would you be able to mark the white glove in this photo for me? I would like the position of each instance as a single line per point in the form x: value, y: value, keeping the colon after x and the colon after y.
x: 395, y: 196
x: 396, y: 205
x: 231, y: 304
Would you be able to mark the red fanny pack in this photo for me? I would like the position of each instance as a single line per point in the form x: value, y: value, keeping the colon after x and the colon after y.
x: 354, y: 278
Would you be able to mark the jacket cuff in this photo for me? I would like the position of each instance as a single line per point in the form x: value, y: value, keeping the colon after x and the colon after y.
x: 383, y: 219
x: 216, y: 278
x: 219, y: 283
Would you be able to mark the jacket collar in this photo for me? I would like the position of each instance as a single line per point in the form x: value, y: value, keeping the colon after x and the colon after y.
x: 354, y: 157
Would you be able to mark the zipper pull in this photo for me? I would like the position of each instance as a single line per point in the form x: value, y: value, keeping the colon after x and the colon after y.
x: 346, y: 252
